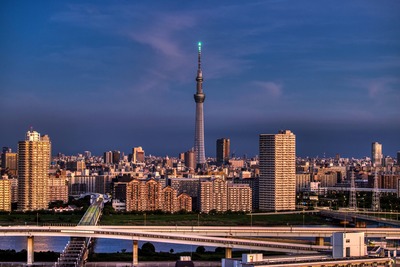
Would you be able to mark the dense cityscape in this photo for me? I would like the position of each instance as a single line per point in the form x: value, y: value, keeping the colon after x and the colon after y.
x: 275, y: 207
x: 273, y: 181
x: 137, y: 182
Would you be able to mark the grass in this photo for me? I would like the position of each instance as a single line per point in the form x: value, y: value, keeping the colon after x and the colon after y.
x: 39, y: 218
x: 191, y: 219
x: 210, y: 220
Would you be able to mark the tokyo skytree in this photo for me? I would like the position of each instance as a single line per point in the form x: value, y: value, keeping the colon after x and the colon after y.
x: 199, y: 98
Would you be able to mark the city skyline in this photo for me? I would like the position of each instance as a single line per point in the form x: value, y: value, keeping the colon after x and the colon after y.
x: 113, y: 76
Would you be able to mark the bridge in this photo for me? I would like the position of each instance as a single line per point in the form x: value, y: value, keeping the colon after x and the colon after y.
x: 228, y: 237
x: 221, y: 238
x: 347, y: 215
x: 76, y: 251
x: 257, y: 232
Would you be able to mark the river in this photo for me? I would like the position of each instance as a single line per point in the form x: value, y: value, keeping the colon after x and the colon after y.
x: 102, y: 245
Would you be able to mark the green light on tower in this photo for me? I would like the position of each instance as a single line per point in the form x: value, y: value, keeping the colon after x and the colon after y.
x: 199, y: 46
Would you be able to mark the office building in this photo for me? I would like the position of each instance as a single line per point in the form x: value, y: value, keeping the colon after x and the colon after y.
x: 58, y: 187
x: 277, y: 187
x: 302, y: 181
x: 108, y: 157
x: 116, y: 156
x: 9, y: 163
x: 34, y: 156
x: 199, y: 98
x: 81, y: 184
x: 87, y: 154
x: 223, y: 150
x: 190, y: 160
x: 398, y: 158
x: 137, y: 155
x: 376, y: 154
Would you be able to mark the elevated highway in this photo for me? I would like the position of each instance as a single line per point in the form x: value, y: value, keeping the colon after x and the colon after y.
x: 227, y: 237
x: 216, y: 238
x: 255, y: 232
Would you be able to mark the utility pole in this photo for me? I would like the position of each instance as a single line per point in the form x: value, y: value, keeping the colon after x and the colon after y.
x: 353, y: 196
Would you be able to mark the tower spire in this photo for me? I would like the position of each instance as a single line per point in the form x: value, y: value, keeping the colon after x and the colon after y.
x: 199, y: 59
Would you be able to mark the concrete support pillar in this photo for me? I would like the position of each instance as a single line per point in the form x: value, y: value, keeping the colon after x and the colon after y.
x: 29, y: 250
x: 135, y: 251
x: 319, y: 241
x: 228, y: 253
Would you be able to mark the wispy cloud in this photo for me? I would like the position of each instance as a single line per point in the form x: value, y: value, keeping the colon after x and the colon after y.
x: 272, y: 89
x: 377, y: 88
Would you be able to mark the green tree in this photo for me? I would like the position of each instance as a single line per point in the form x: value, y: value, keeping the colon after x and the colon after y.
x: 200, y: 249
x: 148, y: 248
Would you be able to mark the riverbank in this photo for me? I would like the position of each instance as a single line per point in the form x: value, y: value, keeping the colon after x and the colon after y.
x: 155, y: 219
x: 118, y: 264
x: 151, y: 264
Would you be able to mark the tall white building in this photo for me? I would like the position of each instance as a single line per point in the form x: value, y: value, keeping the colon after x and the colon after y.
x: 33, y: 171
x: 277, y: 182
x: 376, y: 154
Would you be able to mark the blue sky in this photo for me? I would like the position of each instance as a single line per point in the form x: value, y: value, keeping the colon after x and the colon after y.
x: 105, y: 75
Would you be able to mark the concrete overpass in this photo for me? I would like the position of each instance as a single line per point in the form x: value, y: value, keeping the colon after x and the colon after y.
x: 211, y: 238
x: 228, y: 237
x: 258, y: 232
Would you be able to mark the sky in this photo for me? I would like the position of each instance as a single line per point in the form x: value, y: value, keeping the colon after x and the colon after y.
x: 112, y: 75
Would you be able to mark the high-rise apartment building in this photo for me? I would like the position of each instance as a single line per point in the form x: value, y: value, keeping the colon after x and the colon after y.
x: 199, y: 98
x: 169, y: 200
x: 142, y: 195
x: 376, y: 154
x: 213, y: 195
x: 277, y: 187
x: 253, y: 183
x: 184, y: 202
x: 239, y: 197
x: 206, y: 197
x: 5, y: 194
x: 223, y: 150
x: 34, y: 156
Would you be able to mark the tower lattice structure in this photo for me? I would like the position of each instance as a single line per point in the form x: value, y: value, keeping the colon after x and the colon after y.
x: 375, y: 206
x: 353, y: 197
x: 199, y: 98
